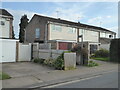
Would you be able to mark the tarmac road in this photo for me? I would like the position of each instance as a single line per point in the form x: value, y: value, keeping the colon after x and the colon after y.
x: 106, y: 80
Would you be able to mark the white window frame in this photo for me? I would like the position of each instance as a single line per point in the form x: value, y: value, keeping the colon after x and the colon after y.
x: 37, y: 33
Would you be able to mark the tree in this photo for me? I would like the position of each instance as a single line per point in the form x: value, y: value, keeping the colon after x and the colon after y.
x: 23, y: 23
x: 13, y: 35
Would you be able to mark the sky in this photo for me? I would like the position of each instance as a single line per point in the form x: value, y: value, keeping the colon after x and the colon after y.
x: 102, y: 14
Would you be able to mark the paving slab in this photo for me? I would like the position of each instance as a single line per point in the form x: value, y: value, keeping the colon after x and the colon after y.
x: 20, y: 82
x: 24, y: 69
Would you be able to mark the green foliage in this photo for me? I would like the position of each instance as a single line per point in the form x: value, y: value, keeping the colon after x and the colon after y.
x: 70, y: 68
x: 81, y: 51
x: 13, y: 35
x: 4, y: 76
x: 39, y: 60
x: 23, y: 23
x: 102, y: 53
x: 49, y: 62
x: 115, y: 50
x: 59, y: 62
x: 67, y: 52
x: 92, y: 64
x: 100, y: 58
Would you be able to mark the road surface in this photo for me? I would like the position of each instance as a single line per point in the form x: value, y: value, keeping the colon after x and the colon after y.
x: 106, y: 80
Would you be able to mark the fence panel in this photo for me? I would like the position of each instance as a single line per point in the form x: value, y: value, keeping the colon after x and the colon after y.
x: 24, y: 52
x: 41, y: 51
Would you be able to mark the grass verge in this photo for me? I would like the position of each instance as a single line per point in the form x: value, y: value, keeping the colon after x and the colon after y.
x: 4, y: 76
x: 101, y: 58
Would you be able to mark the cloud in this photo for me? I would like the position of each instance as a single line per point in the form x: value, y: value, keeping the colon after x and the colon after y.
x: 115, y: 29
x: 95, y: 21
x: 70, y: 12
x: 109, y: 22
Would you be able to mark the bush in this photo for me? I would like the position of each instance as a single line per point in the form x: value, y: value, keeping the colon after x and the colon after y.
x: 39, y: 60
x: 92, y: 64
x: 59, y: 62
x: 102, y: 53
x: 49, y: 62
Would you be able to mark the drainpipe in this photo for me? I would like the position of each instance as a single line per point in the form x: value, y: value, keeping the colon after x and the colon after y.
x: 46, y: 32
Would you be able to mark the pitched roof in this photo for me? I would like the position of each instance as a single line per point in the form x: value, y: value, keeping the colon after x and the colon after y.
x: 5, y: 12
x: 73, y: 23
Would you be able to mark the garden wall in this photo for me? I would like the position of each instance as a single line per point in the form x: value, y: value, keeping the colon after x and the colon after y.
x: 69, y: 61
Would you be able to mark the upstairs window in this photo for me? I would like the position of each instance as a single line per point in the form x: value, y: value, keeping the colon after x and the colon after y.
x: 56, y: 28
x: 37, y: 33
x: 71, y: 30
x: 2, y: 23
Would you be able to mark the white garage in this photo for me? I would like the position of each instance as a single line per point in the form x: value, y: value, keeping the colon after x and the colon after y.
x: 13, y: 51
x: 7, y: 50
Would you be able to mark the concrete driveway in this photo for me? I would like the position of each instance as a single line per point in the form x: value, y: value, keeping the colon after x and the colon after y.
x: 21, y: 69
x: 28, y: 74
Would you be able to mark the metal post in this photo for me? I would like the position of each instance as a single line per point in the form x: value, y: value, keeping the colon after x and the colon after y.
x: 46, y: 33
x: 81, y: 36
x: 81, y: 49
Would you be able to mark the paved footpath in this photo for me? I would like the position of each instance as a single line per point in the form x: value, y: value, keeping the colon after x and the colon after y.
x: 57, y: 76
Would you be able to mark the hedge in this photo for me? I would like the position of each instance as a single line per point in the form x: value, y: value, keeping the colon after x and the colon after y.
x: 115, y: 50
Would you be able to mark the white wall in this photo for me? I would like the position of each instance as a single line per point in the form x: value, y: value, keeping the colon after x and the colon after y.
x: 4, y: 29
x: 88, y: 35
x: 8, y: 53
x: 64, y: 34
x: 69, y: 60
x: 24, y: 52
x: 106, y: 35
x: 105, y: 46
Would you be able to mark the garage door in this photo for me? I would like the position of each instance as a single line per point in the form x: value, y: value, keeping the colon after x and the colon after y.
x: 63, y: 46
x: 8, y: 53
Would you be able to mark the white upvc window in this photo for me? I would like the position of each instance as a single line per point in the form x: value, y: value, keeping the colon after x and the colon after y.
x: 37, y: 33
x: 2, y: 23
x: 71, y: 30
x: 56, y: 27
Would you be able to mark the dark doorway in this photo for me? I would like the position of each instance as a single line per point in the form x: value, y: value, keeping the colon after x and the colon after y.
x: 93, y: 48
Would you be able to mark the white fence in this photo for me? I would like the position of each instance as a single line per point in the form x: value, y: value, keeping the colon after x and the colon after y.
x: 24, y: 53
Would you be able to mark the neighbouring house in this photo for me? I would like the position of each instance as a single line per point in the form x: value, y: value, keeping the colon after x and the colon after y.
x: 6, y: 24
x: 63, y: 34
x: 10, y: 49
